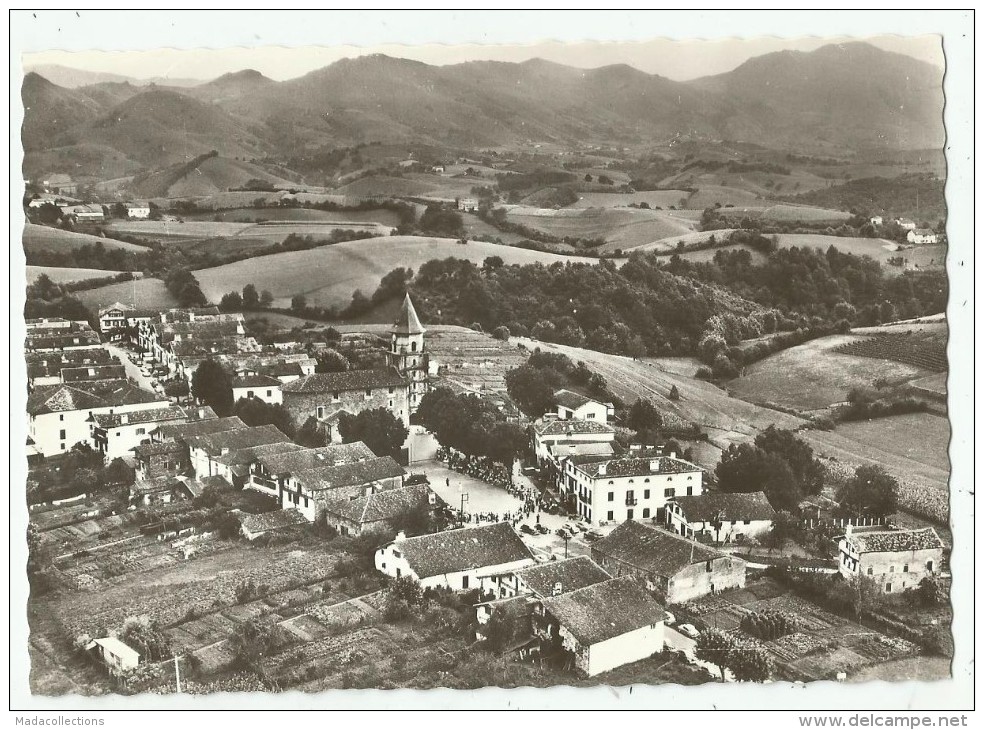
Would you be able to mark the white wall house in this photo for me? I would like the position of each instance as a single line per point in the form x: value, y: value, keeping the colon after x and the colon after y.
x: 116, y: 655
x: 550, y: 430
x: 628, y: 488
x: 461, y: 560
x: 922, y: 235
x: 117, y: 434
x: 721, y: 517
x: 261, y: 387
x: 895, y: 560
x: 575, y: 405
x: 138, y: 210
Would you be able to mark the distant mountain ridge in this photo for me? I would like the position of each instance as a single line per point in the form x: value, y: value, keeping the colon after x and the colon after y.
x: 846, y: 96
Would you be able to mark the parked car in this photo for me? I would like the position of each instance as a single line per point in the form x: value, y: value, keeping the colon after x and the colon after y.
x: 563, y: 534
x: 592, y: 535
x: 688, y: 630
x: 541, y: 558
x: 669, y: 619
x: 540, y: 529
x: 527, y: 530
x: 572, y: 528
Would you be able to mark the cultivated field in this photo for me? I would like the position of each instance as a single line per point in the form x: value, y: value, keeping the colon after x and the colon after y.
x: 621, y: 227
x: 669, y: 245
x: 167, y: 231
x: 894, y: 434
x: 476, y: 362
x: 654, y: 198
x: 253, y: 215
x: 814, y: 375
x: 143, y: 294
x: 62, y: 275
x: 43, y: 238
x: 329, y: 275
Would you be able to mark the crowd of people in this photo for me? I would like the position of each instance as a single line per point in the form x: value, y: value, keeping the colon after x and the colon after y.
x: 497, y: 475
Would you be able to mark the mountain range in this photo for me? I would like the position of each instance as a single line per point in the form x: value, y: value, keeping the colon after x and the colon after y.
x: 840, y: 97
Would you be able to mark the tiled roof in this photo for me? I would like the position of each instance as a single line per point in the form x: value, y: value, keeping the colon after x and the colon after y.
x: 87, y: 396
x: 453, y: 551
x: 349, y: 475
x: 151, y: 415
x: 240, y: 438
x: 214, y: 345
x: 573, y: 400
x: 605, y: 610
x: 730, y: 507
x: 575, y: 449
x: 255, y: 381
x: 514, y: 617
x: 199, y: 428
x: 636, y: 467
x: 93, y: 372
x: 895, y: 541
x: 276, y: 520
x: 571, y: 575
x: 251, y: 453
x: 379, y: 506
x: 558, y: 427
x: 651, y: 549
x: 298, y: 461
x: 144, y: 451
x: 348, y: 380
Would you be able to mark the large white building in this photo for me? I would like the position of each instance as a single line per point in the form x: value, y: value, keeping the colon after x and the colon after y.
x: 721, y: 517
x: 628, y: 487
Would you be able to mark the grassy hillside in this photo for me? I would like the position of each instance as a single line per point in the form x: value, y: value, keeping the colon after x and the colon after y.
x: 142, y: 294
x: 44, y: 238
x: 61, y: 275
x: 329, y: 275
x: 620, y: 227
x: 213, y: 175
x: 912, y: 196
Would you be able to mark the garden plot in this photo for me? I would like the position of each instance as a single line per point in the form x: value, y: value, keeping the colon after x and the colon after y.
x: 318, y: 658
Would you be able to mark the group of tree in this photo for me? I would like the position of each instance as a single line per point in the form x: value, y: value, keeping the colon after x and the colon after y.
x: 45, y: 298
x: 864, y: 404
x: 212, y: 386
x: 377, y: 428
x: 747, y: 662
x: 778, y: 463
x: 80, y: 471
x: 439, y: 220
x: 184, y: 287
x: 255, y: 412
x: 870, y: 492
x: 472, y: 425
x: 533, y: 384
x: 247, y: 301
x: 92, y: 256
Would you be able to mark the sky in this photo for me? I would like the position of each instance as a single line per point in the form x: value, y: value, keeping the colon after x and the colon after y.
x: 675, y: 59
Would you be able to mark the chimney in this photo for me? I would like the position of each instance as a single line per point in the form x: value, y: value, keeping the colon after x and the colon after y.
x: 201, y: 414
x: 431, y: 498
x: 124, y: 418
x: 603, y: 469
x: 849, y: 529
x: 367, y: 490
x: 225, y: 450
x: 558, y: 588
x: 654, y: 465
x: 400, y: 536
x: 673, y: 455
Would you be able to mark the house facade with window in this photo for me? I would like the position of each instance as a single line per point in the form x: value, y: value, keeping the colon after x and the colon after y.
x: 115, y: 435
x: 551, y: 431
x: 576, y: 405
x: 720, y: 516
x: 461, y: 560
x: 256, y: 386
x: 895, y: 560
x: 673, y: 567
x: 324, y: 396
x: 117, y: 656
x: 627, y: 488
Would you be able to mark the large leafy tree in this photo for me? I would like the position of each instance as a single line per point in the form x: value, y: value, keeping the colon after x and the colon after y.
x: 871, y: 491
x: 645, y: 416
x: 797, y: 453
x: 470, y: 425
x: 377, y: 428
x: 747, y: 468
x: 255, y: 412
x: 532, y: 389
x: 211, y: 385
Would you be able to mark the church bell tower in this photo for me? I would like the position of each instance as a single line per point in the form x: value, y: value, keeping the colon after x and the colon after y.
x: 408, y: 352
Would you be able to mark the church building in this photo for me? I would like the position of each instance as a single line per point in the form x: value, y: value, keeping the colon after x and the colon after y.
x: 408, y: 352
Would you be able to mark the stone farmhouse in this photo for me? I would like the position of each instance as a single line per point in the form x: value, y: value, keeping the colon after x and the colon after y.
x: 895, y: 559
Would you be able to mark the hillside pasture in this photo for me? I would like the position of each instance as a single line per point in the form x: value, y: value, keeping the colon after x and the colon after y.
x: 669, y: 245
x: 707, y: 196
x: 654, y: 198
x: 814, y: 375
x: 312, y: 215
x: 329, y: 275
x: 62, y: 275
x: 44, y: 238
x: 169, y: 231
x: 141, y: 294
x: 620, y: 227
x: 385, y: 186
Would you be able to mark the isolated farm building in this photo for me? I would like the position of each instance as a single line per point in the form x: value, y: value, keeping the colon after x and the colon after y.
x: 261, y: 387
x: 58, y: 415
x: 675, y: 568
x: 461, y: 560
x: 602, y: 626
x: 115, y: 435
x: 272, y: 474
x: 550, y: 430
x: 551, y: 578
x: 721, y: 516
x: 577, y: 405
x: 408, y: 353
x: 895, y: 559
x: 905, y: 223
x: 60, y: 184
x: 627, y: 487
x: 86, y: 212
x: 205, y: 449
x: 311, y: 491
x: 234, y: 466
x: 922, y: 235
x: 138, y: 210
x: 116, y: 655
x: 469, y: 205
x: 876, y: 220
x: 324, y: 396
x: 253, y: 526
x: 378, y: 511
